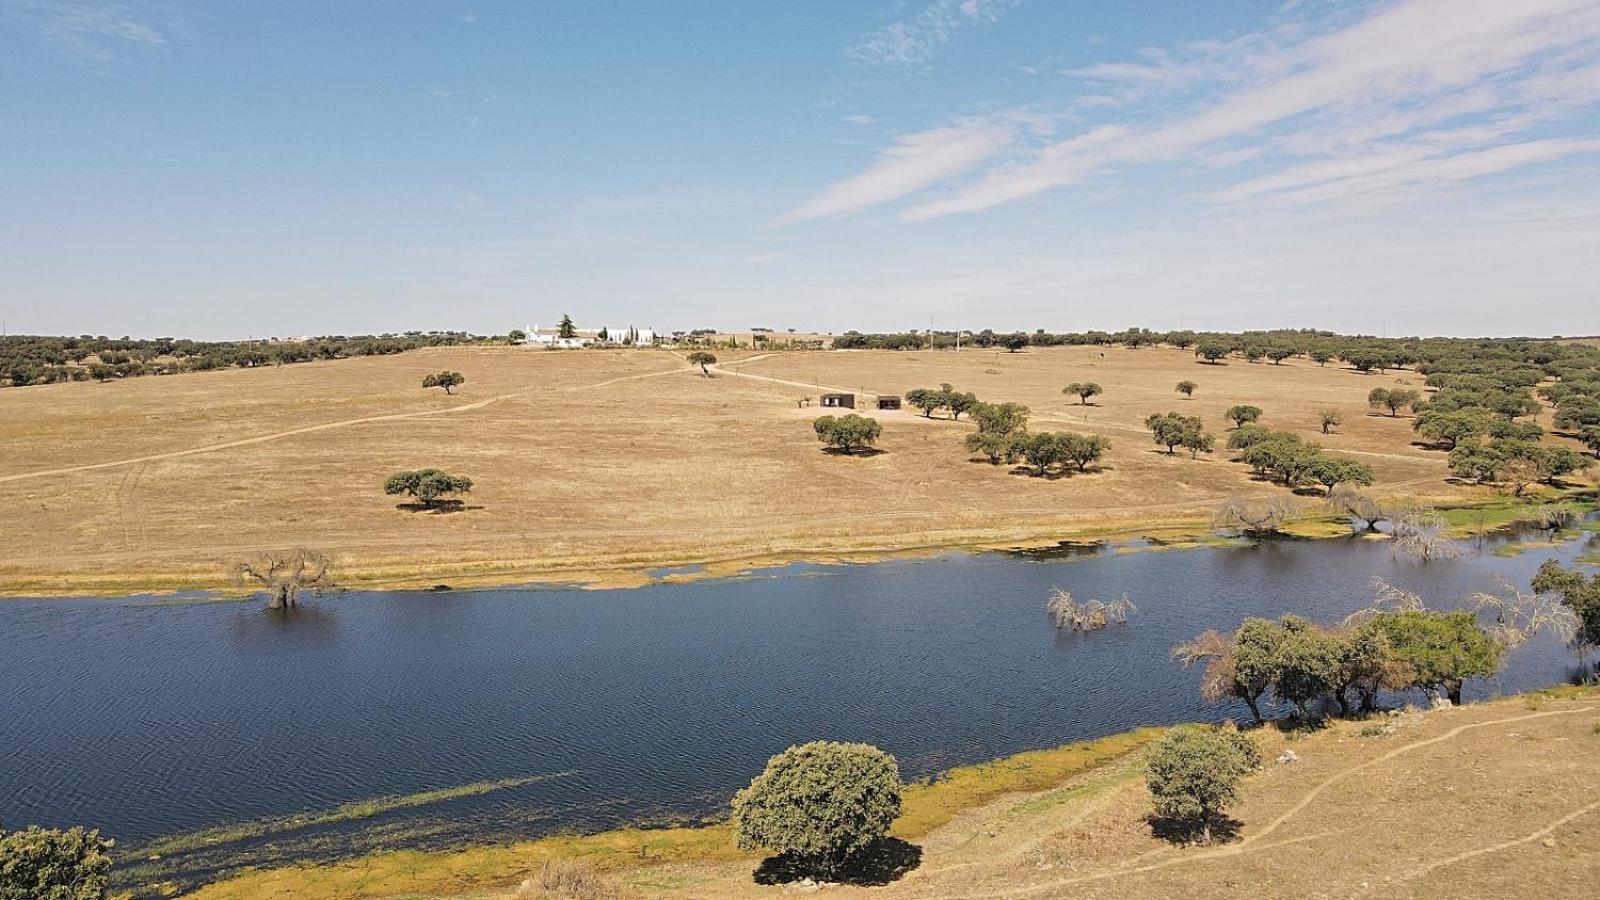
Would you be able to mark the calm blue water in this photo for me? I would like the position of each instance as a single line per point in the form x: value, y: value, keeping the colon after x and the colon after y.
x: 150, y: 719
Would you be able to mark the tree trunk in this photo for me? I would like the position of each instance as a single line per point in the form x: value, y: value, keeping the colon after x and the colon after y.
x: 1255, y: 709
x: 1454, y: 689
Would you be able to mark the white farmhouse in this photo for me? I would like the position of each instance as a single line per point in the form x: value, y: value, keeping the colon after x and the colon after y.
x: 583, y: 337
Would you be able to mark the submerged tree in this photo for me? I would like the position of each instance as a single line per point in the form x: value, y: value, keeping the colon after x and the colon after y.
x: 1357, y: 505
x: 1254, y: 517
x: 286, y: 574
x: 1090, y: 615
x: 1420, y: 532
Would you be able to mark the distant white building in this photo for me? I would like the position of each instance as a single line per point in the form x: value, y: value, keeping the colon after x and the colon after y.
x: 584, y: 337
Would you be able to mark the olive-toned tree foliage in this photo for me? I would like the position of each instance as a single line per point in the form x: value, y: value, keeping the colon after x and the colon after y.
x: 1187, y: 389
x: 848, y: 433
x: 1331, y: 419
x: 704, y: 359
x: 47, y: 864
x: 429, y: 488
x: 1193, y: 773
x: 1242, y: 414
x: 821, y: 804
x: 1393, y: 399
x: 1083, y: 390
x: 446, y: 380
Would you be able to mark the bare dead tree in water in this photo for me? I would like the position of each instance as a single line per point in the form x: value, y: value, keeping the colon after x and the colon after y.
x: 1420, y: 531
x: 1519, y: 616
x: 1386, y: 598
x: 1357, y: 505
x: 1215, y: 651
x: 285, y: 574
x: 1255, y: 517
x: 1089, y: 615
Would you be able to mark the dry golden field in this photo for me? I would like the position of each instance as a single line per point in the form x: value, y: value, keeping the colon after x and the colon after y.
x: 599, y: 464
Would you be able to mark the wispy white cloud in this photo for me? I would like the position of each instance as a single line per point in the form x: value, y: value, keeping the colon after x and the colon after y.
x: 915, y: 40
x: 93, y: 31
x: 1408, y: 65
x: 914, y: 162
x: 857, y: 119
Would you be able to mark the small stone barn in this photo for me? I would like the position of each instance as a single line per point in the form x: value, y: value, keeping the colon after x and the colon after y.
x: 839, y: 401
x: 889, y: 401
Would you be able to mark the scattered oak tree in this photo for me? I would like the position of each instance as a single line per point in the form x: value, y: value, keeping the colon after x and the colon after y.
x: 1212, y: 352
x: 1084, y: 390
x: 1173, y: 430
x: 1193, y: 774
x: 1331, y: 419
x: 1187, y: 389
x: 1393, y: 399
x: 446, y: 380
x: 847, y: 433
x: 430, y: 488
x: 821, y: 804
x: 1243, y: 414
x: 703, y: 359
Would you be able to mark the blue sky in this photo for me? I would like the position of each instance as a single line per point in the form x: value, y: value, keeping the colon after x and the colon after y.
x: 222, y: 170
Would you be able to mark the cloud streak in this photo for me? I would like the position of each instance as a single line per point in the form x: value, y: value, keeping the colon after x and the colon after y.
x: 91, y: 32
x: 915, y: 40
x: 914, y: 162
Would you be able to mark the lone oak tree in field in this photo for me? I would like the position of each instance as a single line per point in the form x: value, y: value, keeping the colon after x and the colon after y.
x: 446, y: 380
x: 285, y: 574
x: 429, y: 487
x: 821, y: 804
x: 1243, y: 414
x: 1193, y: 773
x: 702, y: 359
x: 1331, y: 419
x: 1187, y: 388
x: 1172, y: 430
x: 1084, y: 390
x: 847, y: 433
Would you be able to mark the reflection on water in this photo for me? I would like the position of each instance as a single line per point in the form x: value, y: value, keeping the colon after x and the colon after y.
x: 656, y: 703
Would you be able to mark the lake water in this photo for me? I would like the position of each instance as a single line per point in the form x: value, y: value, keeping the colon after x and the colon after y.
x: 147, y: 718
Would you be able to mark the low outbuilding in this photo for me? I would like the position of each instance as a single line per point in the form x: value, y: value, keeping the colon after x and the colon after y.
x: 839, y: 401
x: 889, y: 401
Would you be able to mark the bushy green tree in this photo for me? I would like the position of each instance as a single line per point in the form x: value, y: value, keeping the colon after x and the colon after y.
x: 956, y: 401
x: 820, y: 803
x: 1243, y: 414
x: 1000, y: 418
x: 926, y: 399
x: 1331, y: 419
x: 429, y: 487
x: 847, y: 433
x: 566, y: 329
x: 1441, y: 649
x: 1211, y: 351
x: 1173, y: 430
x: 1084, y: 390
x: 446, y: 380
x: 1393, y: 399
x: 45, y: 864
x: 1082, y: 450
x: 993, y: 444
x: 1452, y: 427
x: 1193, y: 774
x: 703, y: 359
x: 1187, y: 388
x: 1333, y: 471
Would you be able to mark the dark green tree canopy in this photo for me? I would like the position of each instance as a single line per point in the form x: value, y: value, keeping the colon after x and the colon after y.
x: 446, y: 380
x: 429, y: 487
x: 45, y: 864
x: 821, y: 803
x: 847, y: 433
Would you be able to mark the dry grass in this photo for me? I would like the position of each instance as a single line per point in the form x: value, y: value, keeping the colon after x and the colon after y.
x: 594, y: 464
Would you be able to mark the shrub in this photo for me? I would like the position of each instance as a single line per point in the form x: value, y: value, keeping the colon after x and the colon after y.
x: 44, y: 864
x: 820, y: 803
x: 566, y: 879
x: 1193, y: 774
